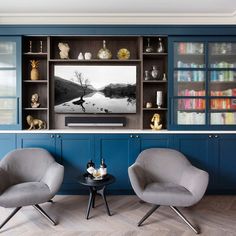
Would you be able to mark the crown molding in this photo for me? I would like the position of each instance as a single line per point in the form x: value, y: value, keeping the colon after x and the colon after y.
x: 118, y: 18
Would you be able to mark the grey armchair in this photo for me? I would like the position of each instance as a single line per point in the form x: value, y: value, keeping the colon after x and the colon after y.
x: 162, y: 176
x: 29, y: 177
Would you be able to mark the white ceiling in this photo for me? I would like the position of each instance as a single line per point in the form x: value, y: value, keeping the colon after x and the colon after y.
x: 118, y: 6
x: 118, y: 11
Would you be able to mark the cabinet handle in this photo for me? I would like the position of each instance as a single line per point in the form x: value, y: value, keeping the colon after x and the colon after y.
x: 137, y: 136
x: 210, y: 136
x: 58, y: 136
x: 216, y: 136
x: 52, y: 136
x: 131, y: 136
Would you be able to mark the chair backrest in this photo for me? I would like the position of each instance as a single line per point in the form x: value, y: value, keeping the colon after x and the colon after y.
x: 162, y: 164
x: 26, y: 165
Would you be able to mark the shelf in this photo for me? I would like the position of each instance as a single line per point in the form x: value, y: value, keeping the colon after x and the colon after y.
x: 222, y: 82
x: 191, y: 82
x: 154, y: 54
x: 36, y: 109
x: 222, y: 110
x: 154, y: 109
x: 35, y: 81
x: 95, y: 60
x: 192, y: 110
x: 36, y: 54
x: 154, y: 81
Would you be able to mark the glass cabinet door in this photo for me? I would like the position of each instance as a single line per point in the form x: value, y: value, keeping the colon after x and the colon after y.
x: 222, y: 83
x: 189, y: 90
x: 9, y: 82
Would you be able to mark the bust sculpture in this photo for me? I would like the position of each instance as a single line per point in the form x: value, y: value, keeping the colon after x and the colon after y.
x: 35, y: 100
x: 64, y: 50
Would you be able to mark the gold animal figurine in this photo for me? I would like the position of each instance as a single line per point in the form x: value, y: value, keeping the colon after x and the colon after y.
x: 156, y: 122
x: 33, y: 123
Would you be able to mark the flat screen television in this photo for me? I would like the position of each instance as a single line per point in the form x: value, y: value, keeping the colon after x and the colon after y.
x: 95, y: 89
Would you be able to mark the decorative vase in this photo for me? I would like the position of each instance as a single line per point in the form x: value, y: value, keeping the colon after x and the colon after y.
x: 148, y: 48
x: 80, y: 57
x: 104, y: 53
x: 160, y: 47
x: 88, y: 56
x: 34, y: 73
x: 155, y: 72
x: 159, y: 99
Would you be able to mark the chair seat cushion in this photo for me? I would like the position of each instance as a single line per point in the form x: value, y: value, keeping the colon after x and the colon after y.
x: 24, y: 194
x: 168, y: 194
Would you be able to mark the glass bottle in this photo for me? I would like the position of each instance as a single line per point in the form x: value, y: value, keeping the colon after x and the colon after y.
x: 104, y: 53
x: 160, y: 48
x: 155, y: 72
x: 90, y: 164
x: 148, y: 48
x: 103, y: 168
x: 146, y: 75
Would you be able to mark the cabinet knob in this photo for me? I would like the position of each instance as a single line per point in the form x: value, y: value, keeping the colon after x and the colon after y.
x: 210, y: 136
x: 131, y: 136
x: 58, y: 136
x: 137, y: 136
x: 216, y: 136
x: 52, y: 136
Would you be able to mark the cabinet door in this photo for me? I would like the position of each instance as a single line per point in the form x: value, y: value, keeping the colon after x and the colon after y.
x: 188, y: 89
x: 226, y: 174
x: 10, y: 82
x: 46, y: 141
x: 74, y: 151
x: 200, y: 151
x: 7, y: 144
x: 115, y: 149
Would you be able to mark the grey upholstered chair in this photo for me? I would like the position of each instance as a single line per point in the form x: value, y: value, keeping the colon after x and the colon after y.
x: 29, y: 177
x: 162, y: 176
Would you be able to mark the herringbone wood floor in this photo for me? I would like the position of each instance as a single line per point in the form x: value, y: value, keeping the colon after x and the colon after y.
x: 216, y: 216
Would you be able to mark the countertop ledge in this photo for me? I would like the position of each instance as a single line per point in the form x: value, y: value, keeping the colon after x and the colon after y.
x: 116, y: 131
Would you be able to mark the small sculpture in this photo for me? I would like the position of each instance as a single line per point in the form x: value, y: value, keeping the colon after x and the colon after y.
x: 33, y: 123
x: 156, y: 122
x: 64, y: 50
x: 35, y: 100
x: 104, y: 53
x: 123, y: 54
x: 80, y: 56
x: 148, y: 105
x: 34, y: 73
x: 88, y: 56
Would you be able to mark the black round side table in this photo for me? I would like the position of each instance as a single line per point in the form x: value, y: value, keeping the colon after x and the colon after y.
x: 96, y: 187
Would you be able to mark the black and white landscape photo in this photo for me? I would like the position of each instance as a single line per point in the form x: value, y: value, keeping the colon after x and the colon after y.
x: 95, y: 89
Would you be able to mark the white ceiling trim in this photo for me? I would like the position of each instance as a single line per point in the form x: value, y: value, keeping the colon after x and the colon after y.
x: 118, y: 18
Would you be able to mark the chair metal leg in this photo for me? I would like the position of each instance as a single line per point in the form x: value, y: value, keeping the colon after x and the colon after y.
x: 10, y: 216
x: 184, y: 219
x: 43, y: 213
x: 148, y: 214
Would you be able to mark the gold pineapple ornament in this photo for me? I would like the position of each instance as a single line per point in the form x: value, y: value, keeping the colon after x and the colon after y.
x: 34, y: 73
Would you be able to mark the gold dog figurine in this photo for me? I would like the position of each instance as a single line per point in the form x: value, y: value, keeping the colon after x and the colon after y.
x: 156, y: 120
x: 33, y: 123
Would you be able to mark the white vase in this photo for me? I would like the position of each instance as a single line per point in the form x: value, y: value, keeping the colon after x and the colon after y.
x: 88, y: 56
x: 80, y: 57
x: 159, y: 99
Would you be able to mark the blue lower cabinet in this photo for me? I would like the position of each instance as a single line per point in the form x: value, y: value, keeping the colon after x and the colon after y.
x: 115, y: 149
x: 200, y: 151
x: 46, y: 141
x: 226, y: 162
x: 7, y: 144
x: 74, y: 151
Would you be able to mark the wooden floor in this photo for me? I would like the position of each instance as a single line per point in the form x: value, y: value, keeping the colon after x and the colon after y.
x: 216, y: 216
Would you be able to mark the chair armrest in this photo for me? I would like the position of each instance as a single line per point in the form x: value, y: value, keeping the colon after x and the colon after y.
x: 4, y: 180
x: 196, y: 181
x: 137, y: 178
x: 53, y: 177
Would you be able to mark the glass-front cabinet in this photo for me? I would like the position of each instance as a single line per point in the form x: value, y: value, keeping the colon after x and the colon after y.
x: 10, y: 82
x: 202, y: 93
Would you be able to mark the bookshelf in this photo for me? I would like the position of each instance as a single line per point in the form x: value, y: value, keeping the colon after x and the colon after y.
x: 204, y: 84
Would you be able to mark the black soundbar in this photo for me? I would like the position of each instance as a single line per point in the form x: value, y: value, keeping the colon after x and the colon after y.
x: 73, y: 121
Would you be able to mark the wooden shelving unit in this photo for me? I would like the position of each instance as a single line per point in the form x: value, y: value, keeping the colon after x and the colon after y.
x: 35, y: 48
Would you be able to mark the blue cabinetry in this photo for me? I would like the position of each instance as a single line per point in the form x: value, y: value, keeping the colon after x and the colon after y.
x: 74, y: 151
x: 7, y: 144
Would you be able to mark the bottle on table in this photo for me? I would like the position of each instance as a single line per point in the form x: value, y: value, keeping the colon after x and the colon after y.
x: 103, y: 168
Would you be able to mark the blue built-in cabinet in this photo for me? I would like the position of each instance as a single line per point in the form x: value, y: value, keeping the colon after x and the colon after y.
x: 211, y: 152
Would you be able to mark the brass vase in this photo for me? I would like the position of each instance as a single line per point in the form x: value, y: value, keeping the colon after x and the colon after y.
x: 34, y: 73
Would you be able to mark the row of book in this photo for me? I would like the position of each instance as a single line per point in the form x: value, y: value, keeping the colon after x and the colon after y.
x: 190, y: 92
x: 191, y: 103
x: 225, y: 118
x: 227, y: 92
x: 223, y: 64
x: 181, y: 64
x: 190, y: 48
x: 195, y: 118
x: 223, y: 76
x: 190, y: 118
x: 191, y: 76
x: 223, y: 103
